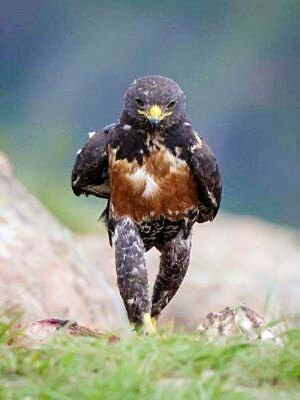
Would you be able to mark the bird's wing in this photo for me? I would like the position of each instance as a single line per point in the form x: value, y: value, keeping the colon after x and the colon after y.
x: 205, y: 169
x: 90, y: 171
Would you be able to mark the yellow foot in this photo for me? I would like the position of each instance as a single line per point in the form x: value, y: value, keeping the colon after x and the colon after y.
x: 149, y: 327
x: 154, y: 322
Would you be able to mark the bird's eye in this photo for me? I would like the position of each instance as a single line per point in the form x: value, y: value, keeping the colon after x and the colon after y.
x: 139, y: 102
x: 171, y: 105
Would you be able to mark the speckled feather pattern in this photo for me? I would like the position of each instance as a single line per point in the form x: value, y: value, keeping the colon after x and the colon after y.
x: 174, y: 262
x: 131, y: 269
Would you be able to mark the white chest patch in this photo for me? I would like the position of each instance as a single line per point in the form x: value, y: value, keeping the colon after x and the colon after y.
x: 151, y: 187
x: 140, y: 176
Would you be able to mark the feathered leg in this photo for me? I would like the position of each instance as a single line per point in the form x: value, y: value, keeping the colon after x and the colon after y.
x: 132, y: 274
x: 174, y: 262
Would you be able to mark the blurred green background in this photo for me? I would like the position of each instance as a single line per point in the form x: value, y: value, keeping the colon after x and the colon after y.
x: 64, y: 66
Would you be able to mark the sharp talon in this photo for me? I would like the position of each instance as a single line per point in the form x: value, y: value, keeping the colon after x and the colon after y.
x: 148, y: 325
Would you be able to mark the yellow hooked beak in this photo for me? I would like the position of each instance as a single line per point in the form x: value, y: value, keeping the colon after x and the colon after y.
x: 155, y: 114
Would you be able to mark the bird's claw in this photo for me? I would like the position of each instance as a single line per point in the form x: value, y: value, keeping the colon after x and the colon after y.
x: 149, y: 324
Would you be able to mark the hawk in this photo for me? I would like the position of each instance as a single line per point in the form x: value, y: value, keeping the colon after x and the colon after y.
x: 160, y: 178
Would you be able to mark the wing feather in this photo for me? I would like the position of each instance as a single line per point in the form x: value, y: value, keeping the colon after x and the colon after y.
x: 90, y: 171
x: 206, y: 171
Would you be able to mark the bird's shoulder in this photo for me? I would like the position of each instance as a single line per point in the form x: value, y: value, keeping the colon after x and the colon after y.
x: 182, y: 140
x: 91, y: 164
x: 96, y: 143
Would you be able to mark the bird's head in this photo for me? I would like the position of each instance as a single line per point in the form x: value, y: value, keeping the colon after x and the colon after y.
x: 155, y: 100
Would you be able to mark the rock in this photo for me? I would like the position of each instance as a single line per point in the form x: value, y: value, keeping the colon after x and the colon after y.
x: 6, y: 168
x: 237, y: 321
x: 35, y: 334
x: 43, y: 268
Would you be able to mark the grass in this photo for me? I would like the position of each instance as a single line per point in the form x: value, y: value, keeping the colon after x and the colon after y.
x: 170, y: 366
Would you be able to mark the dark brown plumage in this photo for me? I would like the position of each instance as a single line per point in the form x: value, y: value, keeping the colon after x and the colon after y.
x: 160, y: 178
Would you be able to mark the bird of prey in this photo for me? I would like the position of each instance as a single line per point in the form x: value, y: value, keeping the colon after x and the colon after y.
x: 160, y: 178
